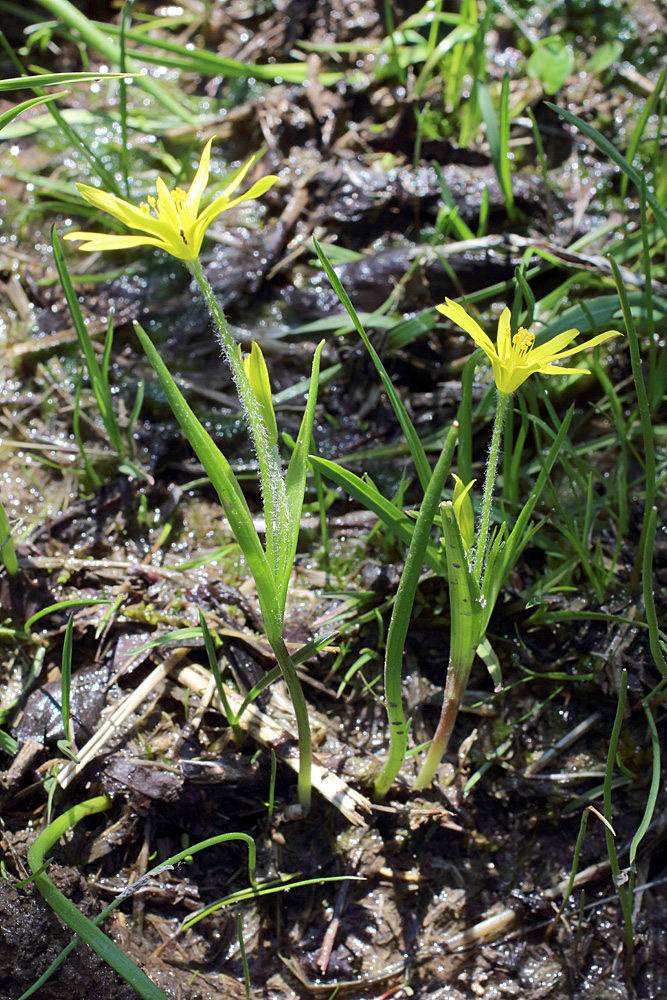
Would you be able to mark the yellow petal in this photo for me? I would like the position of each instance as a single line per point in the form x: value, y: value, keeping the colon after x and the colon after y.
x: 552, y: 347
x: 98, y: 241
x: 200, y: 180
x: 593, y: 342
x: 458, y: 315
x: 221, y: 203
x: 504, y: 336
x: 557, y: 370
x: 121, y: 210
x: 237, y: 179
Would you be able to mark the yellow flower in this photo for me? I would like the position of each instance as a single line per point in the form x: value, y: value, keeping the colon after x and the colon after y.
x: 516, y: 358
x: 463, y: 511
x: 172, y: 221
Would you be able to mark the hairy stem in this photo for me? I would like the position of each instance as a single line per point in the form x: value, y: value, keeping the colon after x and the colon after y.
x: 489, y: 481
x: 270, y: 472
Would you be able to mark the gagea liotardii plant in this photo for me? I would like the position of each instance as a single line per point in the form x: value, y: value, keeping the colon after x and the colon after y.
x: 174, y: 221
x: 477, y: 569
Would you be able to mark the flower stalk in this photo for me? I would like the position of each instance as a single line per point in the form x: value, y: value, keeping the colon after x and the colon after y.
x: 268, y: 458
x: 174, y: 221
x: 489, y: 482
x: 474, y: 589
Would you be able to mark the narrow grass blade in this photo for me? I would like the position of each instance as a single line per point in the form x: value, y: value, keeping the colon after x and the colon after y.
x: 7, y: 550
x: 54, y: 80
x: 468, y: 623
x: 73, y: 917
x: 97, y: 39
x: 416, y: 447
x: 368, y: 494
x: 640, y: 125
x: 644, y: 414
x: 615, y: 156
x: 402, y: 613
x: 157, y: 870
x: 654, y: 789
x: 223, y: 480
x: 623, y: 894
x: 60, y: 606
x: 295, y: 481
x: 66, y: 676
x: 97, y: 379
x: 13, y: 113
x: 649, y: 596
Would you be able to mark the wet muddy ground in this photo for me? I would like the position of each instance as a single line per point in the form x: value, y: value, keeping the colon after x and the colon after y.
x: 447, y: 895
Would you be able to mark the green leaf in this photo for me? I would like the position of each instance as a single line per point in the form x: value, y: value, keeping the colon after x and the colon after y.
x: 13, y: 113
x: 368, y: 494
x: 605, y: 55
x: 55, y: 80
x: 223, y: 480
x: 411, y: 436
x: 73, y: 917
x: 295, y: 481
x: 552, y: 63
x: 467, y: 610
x: 97, y: 379
x: 616, y: 157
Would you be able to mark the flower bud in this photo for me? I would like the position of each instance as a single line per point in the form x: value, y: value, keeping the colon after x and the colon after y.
x: 464, y: 512
x: 258, y: 376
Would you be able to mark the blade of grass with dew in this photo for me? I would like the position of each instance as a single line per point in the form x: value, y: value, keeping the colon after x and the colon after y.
x: 212, y: 64
x: 97, y: 379
x: 402, y: 613
x: 644, y: 415
x: 7, y: 550
x: 368, y: 495
x: 13, y: 113
x: 505, y: 160
x: 125, y: 21
x: 81, y: 147
x: 162, y: 866
x: 616, y: 157
x: 623, y: 895
x: 60, y: 606
x: 55, y: 80
x: 416, y: 448
x: 460, y: 34
x: 640, y: 125
x: 69, y: 913
x: 497, y: 135
x: 97, y: 39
